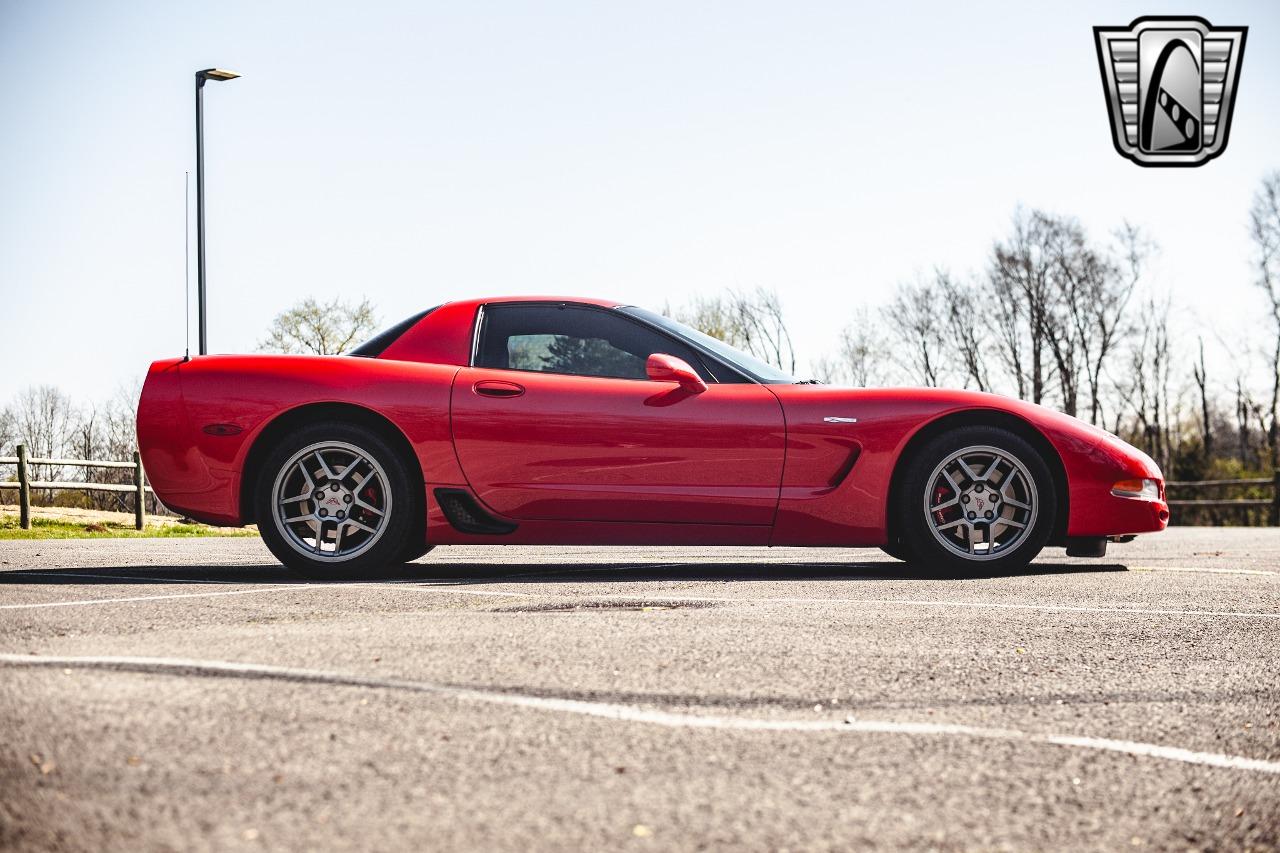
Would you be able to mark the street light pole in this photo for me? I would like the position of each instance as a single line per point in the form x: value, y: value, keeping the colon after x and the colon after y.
x: 201, y: 76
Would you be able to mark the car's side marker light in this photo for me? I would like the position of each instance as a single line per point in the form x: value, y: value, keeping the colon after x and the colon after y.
x: 1143, y: 490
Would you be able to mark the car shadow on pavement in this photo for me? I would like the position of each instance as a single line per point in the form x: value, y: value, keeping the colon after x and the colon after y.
x: 507, y: 573
x: 727, y: 571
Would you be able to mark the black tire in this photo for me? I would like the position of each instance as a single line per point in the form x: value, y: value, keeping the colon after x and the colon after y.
x: 986, y: 508
x: 894, y: 549
x: 391, y: 491
x: 414, y: 551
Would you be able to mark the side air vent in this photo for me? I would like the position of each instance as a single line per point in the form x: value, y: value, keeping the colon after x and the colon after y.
x: 845, y: 467
x: 465, y: 514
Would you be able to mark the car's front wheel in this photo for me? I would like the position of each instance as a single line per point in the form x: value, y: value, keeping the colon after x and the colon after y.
x: 974, y: 498
x: 894, y: 549
x: 335, y: 500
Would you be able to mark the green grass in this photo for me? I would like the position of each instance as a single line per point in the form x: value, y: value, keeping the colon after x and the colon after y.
x: 48, y: 528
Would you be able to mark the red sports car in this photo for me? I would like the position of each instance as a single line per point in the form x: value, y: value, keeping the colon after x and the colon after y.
x: 550, y: 421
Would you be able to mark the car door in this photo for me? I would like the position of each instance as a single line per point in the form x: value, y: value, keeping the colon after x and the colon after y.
x: 557, y: 420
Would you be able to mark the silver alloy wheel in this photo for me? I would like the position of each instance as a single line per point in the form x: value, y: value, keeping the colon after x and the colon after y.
x: 331, y: 501
x: 981, y: 502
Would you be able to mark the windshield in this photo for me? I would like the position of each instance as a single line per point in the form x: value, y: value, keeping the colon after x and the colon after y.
x: 750, y: 365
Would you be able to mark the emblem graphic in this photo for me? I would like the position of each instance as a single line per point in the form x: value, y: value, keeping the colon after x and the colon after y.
x: 1170, y: 84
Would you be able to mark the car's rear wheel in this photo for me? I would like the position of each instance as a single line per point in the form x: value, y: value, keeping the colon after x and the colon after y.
x: 335, y: 500
x: 976, y: 498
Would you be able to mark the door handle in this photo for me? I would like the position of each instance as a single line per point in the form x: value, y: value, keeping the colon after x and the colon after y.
x: 497, y: 388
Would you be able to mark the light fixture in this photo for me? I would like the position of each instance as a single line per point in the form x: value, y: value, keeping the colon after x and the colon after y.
x: 217, y: 74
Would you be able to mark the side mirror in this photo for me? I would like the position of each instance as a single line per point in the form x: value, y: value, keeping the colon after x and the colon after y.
x: 667, y: 368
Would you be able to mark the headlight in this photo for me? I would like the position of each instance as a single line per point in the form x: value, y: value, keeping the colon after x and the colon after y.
x: 1143, y: 490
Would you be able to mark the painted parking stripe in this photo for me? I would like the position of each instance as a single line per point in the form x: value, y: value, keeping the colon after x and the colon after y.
x: 1203, y: 570
x: 906, y: 602
x: 180, y: 595
x: 89, y: 601
x: 459, y: 586
x: 633, y: 714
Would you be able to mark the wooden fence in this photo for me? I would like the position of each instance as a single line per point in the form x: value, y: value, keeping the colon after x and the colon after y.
x: 1217, y: 487
x: 24, y: 484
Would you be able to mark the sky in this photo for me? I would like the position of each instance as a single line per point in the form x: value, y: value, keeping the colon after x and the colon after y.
x: 648, y: 152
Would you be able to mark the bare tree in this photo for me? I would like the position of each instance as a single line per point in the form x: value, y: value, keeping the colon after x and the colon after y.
x: 43, y: 416
x: 1057, y: 305
x: 714, y: 316
x: 329, y: 328
x: 862, y: 351
x: 1097, y: 290
x: 8, y: 438
x: 1105, y: 308
x: 1264, y: 220
x: 44, y: 420
x: 966, y: 328
x: 120, y: 422
x: 1200, y: 373
x: 1147, y: 386
x: 1084, y: 303
x: 1057, y: 318
x: 827, y: 371
x: 915, y: 317
x: 1242, y: 423
x: 763, y: 328
x: 85, y: 431
x: 108, y: 430
x: 860, y: 358
x: 1022, y: 293
x: 51, y: 426
x: 1011, y: 325
x: 1076, y: 271
x: 751, y: 321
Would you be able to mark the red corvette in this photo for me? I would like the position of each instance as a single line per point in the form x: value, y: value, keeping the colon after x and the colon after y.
x: 576, y: 421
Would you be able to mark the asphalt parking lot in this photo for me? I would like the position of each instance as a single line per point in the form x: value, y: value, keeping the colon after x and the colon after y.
x: 190, y: 694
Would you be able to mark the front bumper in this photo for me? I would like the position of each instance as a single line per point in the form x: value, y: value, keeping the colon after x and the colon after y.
x: 1095, y: 511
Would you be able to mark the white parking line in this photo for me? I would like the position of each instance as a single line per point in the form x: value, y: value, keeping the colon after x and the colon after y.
x: 1203, y: 570
x: 633, y: 714
x: 297, y: 586
x: 906, y: 602
x: 122, y: 600
x: 459, y: 586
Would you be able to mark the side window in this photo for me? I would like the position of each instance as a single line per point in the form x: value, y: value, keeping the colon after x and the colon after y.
x: 574, y: 340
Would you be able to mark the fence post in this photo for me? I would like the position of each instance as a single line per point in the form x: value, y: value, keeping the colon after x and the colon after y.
x: 1274, y: 519
x: 140, y: 493
x: 24, y: 489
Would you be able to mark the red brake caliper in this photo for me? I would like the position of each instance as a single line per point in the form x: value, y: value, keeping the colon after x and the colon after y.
x: 940, y: 494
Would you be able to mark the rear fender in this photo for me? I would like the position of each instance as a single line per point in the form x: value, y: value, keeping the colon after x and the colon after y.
x: 206, y: 437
